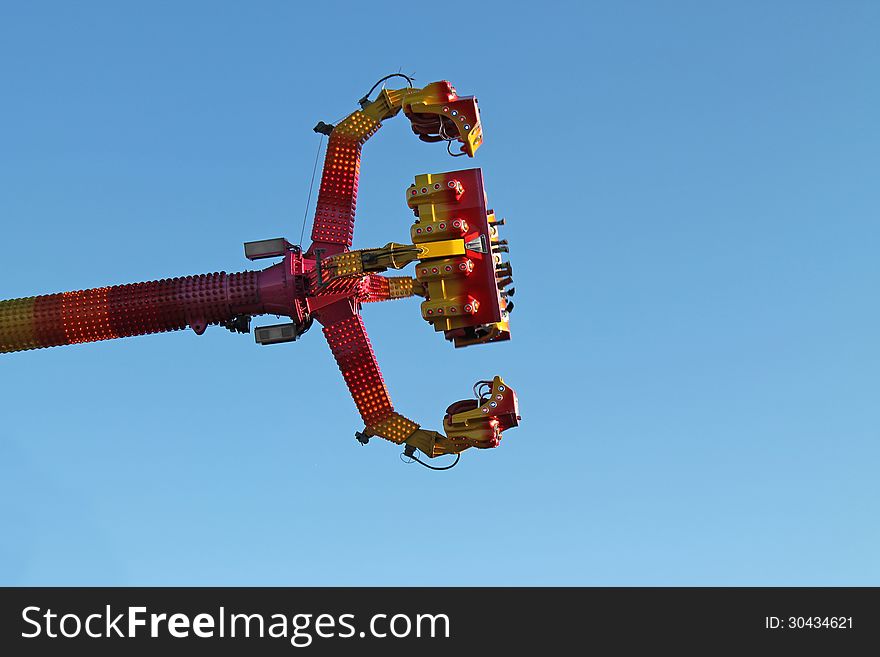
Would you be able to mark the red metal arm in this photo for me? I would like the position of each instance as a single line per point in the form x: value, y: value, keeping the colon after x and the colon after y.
x: 170, y: 304
x: 348, y: 340
x: 125, y: 310
x: 436, y: 113
x: 333, y: 228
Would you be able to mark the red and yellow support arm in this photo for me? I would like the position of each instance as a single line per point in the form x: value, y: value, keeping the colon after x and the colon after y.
x: 436, y: 113
x: 121, y: 311
x: 468, y: 423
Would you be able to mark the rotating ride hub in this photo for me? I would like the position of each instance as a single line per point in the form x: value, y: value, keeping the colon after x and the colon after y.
x: 455, y: 246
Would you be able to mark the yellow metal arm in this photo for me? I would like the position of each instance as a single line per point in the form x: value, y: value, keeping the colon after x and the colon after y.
x: 436, y: 111
x: 468, y: 423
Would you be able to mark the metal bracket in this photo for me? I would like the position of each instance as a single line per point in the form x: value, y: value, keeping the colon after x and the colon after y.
x: 238, y: 324
x: 324, y: 128
x: 318, y: 272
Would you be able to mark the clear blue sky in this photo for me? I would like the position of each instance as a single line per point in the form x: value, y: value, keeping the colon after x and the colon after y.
x: 692, y: 199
